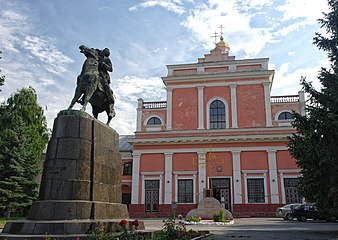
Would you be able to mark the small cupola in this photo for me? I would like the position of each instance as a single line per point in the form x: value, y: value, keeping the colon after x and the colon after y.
x: 223, y: 46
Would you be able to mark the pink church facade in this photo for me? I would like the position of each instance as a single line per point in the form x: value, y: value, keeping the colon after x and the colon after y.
x: 220, y: 134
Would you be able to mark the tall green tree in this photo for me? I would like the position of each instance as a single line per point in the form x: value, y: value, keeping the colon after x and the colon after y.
x: 2, y: 78
x: 314, y: 146
x: 23, y: 137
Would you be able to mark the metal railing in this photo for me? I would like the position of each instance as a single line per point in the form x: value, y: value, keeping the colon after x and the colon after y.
x: 284, y: 99
x: 155, y: 105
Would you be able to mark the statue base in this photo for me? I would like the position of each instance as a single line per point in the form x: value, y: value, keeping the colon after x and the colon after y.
x: 81, y: 180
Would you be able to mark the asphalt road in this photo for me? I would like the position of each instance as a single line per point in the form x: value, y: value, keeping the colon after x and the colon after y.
x: 264, y: 229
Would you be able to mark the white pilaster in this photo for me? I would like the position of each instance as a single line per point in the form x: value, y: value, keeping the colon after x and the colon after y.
x: 236, y: 163
x: 135, y: 179
x: 139, y: 115
x: 168, y: 179
x: 200, y: 107
x: 302, y: 102
x: 169, y: 107
x: 233, y: 106
x: 202, y: 180
x: 267, y: 104
x: 273, y: 176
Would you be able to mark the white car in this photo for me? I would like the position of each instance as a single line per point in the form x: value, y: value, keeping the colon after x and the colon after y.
x: 285, y: 212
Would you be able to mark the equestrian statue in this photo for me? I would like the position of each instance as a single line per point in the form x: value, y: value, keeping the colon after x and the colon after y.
x: 93, y: 83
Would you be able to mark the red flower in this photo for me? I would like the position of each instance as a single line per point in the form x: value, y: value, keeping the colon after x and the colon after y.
x: 135, y: 223
x: 123, y: 222
x: 139, y: 232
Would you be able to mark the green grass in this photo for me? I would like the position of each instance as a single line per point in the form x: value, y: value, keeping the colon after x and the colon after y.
x: 4, y: 220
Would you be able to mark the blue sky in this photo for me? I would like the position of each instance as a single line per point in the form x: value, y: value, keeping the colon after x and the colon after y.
x: 40, y: 39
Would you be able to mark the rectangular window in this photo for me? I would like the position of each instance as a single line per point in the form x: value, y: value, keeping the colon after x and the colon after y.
x: 185, y: 191
x: 127, y: 168
x: 256, y: 190
x: 291, y: 190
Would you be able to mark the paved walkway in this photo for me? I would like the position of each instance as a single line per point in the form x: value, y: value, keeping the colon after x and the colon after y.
x: 263, y: 229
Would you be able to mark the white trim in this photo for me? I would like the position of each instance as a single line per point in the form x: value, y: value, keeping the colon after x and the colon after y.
x: 183, y: 150
x: 126, y: 181
x: 225, y: 137
x: 168, y: 178
x: 254, y: 172
x: 135, y: 178
x: 273, y: 176
x: 236, y: 168
x: 151, y: 173
x: 225, y: 130
x: 226, y: 111
x: 282, y: 176
x: 267, y: 104
x: 169, y: 107
x: 218, y: 64
x: 233, y: 105
x: 144, y: 178
x: 185, y: 172
x: 200, y: 107
x: 139, y: 115
x: 193, y: 184
x: 218, y: 83
x: 282, y: 171
x: 302, y: 102
x: 246, y: 188
x: 225, y: 76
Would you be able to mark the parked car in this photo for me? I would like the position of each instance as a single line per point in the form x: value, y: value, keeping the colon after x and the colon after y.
x: 306, y: 211
x: 285, y: 212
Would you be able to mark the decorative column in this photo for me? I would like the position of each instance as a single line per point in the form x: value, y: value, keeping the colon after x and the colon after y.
x: 169, y: 107
x: 233, y: 106
x: 267, y: 104
x: 236, y: 163
x: 273, y: 176
x: 168, y: 178
x: 139, y: 115
x: 302, y: 102
x: 200, y: 107
x: 202, y: 178
x: 135, y: 182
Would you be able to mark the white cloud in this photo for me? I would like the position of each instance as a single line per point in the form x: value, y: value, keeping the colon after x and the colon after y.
x: 46, y: 52
x: 169, y: 5
x: 287, y: 83
x: 309, y: 10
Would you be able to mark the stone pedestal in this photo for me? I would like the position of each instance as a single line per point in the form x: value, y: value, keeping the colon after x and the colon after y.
x: 81, y: 181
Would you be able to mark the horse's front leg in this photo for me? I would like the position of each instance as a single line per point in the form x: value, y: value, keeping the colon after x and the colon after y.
x: 88, y: 95
x: 75, y: 98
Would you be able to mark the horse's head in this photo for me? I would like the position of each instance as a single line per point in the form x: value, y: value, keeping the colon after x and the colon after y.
x: 89, y: 52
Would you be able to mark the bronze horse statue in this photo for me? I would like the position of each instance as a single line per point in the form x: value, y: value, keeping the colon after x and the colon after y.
x: 90, y: 87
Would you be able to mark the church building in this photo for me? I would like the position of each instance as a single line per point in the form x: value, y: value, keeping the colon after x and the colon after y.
x: 219, y: 133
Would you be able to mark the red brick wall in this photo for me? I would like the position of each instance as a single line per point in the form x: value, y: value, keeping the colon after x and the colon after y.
x: 137, y: 210
x: 255, y: 210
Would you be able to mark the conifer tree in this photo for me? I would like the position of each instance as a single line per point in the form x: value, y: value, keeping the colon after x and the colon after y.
x: 315, y: 145
x: 23, y: 137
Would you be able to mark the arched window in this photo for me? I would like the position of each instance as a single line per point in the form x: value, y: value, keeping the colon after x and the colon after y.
x: 217, y: 115
x: 285, y: 116
x: 154, y: 121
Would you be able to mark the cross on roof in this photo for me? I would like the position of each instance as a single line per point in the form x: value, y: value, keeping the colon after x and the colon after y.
x: 221, y: 27
x: 215, y: 35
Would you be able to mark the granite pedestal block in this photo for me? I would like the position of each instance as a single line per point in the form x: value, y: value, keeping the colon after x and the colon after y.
x: 81, y: 179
